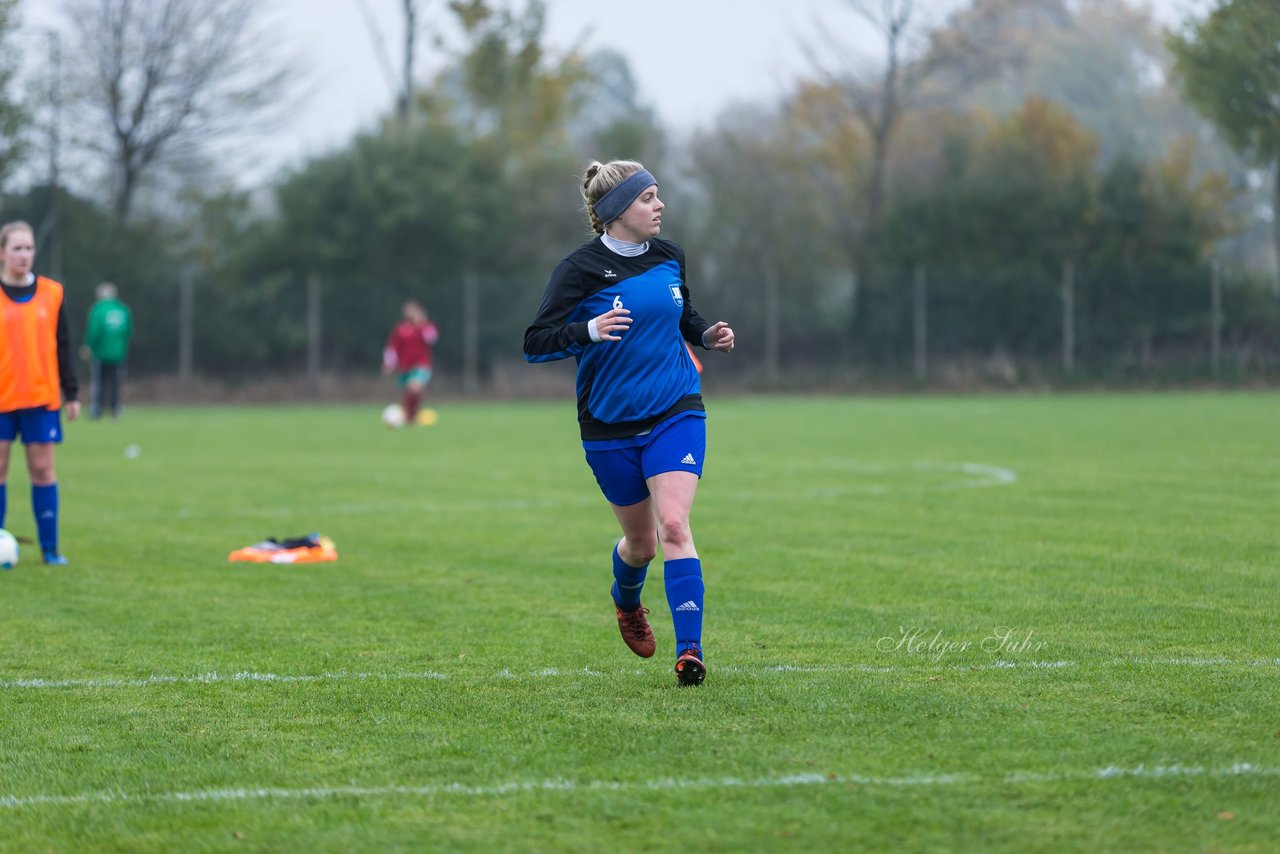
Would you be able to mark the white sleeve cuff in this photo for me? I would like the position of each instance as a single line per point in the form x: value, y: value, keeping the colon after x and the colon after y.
x: 593, y: 331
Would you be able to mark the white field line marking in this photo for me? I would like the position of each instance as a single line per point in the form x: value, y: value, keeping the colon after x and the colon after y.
x: 981, y: 474
x: 552, y: 672
x: 200, y: 678
x: 1111, y: 772
x: 973, y: 476
x: 996, y: 473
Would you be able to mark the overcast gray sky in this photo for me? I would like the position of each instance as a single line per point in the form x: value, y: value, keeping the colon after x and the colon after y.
x: 691, y: 57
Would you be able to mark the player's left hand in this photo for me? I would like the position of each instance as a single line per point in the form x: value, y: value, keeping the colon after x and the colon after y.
x: 73, y: 409
x: 719, y: 337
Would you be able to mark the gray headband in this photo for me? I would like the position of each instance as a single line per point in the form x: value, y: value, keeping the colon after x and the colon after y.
x: 615, y: 202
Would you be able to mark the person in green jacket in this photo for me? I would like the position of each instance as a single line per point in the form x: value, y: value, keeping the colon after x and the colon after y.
x: 106, y: 344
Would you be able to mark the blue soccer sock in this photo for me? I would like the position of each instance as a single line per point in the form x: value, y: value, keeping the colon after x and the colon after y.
x: 628, y: 580
x: 4, y: 502
x: 44, y: 502
x: 684, y: 596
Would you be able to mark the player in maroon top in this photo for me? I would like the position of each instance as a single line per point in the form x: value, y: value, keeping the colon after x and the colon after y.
x: 408, y: 355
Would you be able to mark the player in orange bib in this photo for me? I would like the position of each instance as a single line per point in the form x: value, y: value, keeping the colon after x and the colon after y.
x: 37, y: 377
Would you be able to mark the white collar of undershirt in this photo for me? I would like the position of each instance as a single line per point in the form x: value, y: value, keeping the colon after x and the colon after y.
x: 622, y: 247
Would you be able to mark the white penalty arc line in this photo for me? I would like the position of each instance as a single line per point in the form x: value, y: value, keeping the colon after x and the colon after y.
x: 1152, y: 772
x: 552, y: 672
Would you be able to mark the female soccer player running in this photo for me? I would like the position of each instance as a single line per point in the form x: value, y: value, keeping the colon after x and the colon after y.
x: 619, y: 305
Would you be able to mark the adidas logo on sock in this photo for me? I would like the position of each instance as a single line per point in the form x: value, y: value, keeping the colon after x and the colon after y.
x: 689, y: 461
x: 689, y: 606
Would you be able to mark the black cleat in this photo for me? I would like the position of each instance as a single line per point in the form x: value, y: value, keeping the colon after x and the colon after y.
x: 689, y: 667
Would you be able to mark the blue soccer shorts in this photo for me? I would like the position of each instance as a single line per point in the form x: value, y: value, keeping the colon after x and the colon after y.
x: 35, y: 425
x: 678, y: 444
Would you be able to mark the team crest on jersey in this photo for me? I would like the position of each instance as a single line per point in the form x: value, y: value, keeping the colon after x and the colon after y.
x: 675, y: 295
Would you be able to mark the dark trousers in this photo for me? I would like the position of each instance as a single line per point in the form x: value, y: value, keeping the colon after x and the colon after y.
x: 105, y: 379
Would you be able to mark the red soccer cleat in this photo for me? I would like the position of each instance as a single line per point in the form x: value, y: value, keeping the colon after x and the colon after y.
x: 635, y: 630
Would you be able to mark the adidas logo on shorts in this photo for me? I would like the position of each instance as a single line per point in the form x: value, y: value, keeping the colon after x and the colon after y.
x: 689, y: 460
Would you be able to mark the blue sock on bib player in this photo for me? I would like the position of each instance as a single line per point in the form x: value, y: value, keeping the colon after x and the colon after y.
x: 44, y: 503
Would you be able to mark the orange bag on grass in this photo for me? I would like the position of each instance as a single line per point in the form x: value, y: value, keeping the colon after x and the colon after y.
x: 312, y: 548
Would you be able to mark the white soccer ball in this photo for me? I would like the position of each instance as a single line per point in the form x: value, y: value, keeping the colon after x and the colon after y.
x: 8, y: 550
x: 393, y: 416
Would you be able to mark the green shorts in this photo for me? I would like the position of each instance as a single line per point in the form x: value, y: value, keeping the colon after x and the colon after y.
x: 418, y: 375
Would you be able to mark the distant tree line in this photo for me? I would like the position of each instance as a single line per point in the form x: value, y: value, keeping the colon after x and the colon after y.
x: 956, y: 215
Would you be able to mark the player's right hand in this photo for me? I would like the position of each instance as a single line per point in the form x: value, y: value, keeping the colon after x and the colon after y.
x: 612, y: 324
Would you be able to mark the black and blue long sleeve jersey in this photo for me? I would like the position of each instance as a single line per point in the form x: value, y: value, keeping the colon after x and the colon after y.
x: 627, y: 386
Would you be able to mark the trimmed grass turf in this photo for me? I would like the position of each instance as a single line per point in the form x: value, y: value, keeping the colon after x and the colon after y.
x: 150, y: 692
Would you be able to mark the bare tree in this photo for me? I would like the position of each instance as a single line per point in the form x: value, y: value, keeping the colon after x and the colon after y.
x: 915, y: 52
x: 403, y: 87
x: 170, y: 79
x: 881, y: 106
x: 877, y: 97
x: 410, y: 9
x: 12, y: 114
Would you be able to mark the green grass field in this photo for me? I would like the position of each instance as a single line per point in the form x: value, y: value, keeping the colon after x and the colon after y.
x: 981, y: 623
